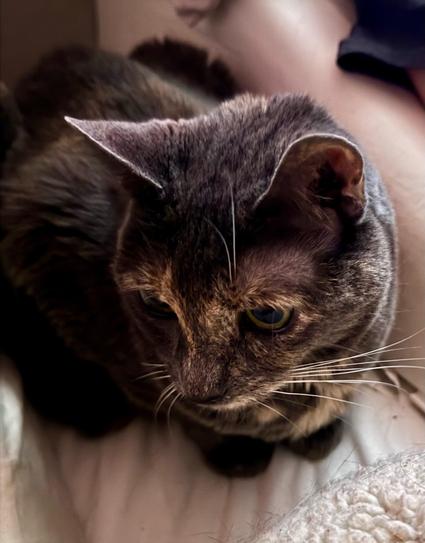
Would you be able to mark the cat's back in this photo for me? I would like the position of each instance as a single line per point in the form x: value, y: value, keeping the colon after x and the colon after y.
x: 54, y: 180
x: 92, y: 85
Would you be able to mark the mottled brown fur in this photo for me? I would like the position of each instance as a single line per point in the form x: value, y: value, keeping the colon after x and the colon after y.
x: 84, y: 233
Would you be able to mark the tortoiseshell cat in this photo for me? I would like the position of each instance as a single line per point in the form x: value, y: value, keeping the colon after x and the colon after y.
x: 202, y: 254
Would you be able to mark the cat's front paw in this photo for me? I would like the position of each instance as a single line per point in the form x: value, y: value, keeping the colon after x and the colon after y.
x: 239, y: 456
x: 318, y: 445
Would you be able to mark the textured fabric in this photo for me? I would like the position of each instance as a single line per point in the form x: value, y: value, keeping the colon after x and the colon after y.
x: 380, y: 504
x: 34, y: 504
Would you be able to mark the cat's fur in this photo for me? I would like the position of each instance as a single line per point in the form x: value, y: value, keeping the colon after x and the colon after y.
x: 83, y: 233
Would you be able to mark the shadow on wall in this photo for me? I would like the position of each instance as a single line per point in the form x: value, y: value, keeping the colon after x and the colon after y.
x: 31, y: 28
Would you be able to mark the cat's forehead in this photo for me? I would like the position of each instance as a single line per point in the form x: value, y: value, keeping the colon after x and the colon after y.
x: 237, y: 148
x: 206, y: 223
x: 208, y: 269
x: 249, y: 126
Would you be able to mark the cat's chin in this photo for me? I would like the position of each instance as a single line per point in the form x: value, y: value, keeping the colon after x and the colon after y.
x: 239, y: 404
x: 270, y: 420
x: 238, y: 417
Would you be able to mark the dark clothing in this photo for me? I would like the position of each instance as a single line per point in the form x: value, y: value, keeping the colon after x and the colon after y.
x: 388, y: 38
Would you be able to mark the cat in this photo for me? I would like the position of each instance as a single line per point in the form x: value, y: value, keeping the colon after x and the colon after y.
x: 218, y: 257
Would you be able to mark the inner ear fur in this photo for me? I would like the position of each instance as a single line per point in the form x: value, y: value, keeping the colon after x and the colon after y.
x: 318, y: 172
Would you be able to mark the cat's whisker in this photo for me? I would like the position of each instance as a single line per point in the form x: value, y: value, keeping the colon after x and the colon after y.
x: 380, y: 350
x: 321, y: 396
x: 347, y: 381
x: 308, y: 406
x: 147, y: 375
x: 168, y: 396
x: 336, y: 376
x: 226, y: 247
x: 334, y: 361
x: 270, y: 408
x: 165, y: 394
x: 170, y: 407
x: 297, y: 403
x: 339, y: 346
x: 157, y: 365
x: 344, y: 347
x: 395, y: 343
x: 232, y: 209
x: 160, y: 378
x: 164, y: 391
x: 299, y: 369
x: 354, y: 367
x: 159, y: 404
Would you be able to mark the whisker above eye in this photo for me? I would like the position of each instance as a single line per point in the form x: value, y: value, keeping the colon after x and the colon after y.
x: 226, y: 247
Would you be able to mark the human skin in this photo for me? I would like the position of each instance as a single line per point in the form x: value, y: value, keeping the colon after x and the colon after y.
x: 418, y: 80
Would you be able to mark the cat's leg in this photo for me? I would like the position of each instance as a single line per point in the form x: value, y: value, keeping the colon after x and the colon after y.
x: 58, y: 384
x: 239, y: 456
x: 232, y: 456
x: 318, y: 445
x: 77, y: 394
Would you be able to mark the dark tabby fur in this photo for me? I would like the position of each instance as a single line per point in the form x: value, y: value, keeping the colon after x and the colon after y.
x: 84, y: 231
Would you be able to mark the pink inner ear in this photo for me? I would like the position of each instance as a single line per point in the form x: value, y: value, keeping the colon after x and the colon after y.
x: 348, y: 169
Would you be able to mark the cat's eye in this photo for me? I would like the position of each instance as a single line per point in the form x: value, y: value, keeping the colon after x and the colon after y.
x: 156, y: 307
x: 269, y: 318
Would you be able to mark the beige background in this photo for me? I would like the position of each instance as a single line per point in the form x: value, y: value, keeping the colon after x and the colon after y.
x: 30, y: 28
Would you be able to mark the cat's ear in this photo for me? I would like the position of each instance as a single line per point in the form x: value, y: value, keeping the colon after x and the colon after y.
x: 140, y: 146
x: 318, y: 172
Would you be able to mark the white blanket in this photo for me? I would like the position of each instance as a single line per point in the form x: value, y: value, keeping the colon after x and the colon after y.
x: 146, y: 484
x: 381, y: 504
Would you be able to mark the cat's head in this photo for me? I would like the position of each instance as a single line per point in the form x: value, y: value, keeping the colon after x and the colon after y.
x: 247, y: 249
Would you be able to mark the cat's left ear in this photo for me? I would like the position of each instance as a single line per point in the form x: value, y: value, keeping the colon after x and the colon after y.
x: 318, y: 172
x: 143, y: 147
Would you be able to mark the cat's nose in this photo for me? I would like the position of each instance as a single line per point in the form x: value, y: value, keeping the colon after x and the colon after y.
x: 203, y: 377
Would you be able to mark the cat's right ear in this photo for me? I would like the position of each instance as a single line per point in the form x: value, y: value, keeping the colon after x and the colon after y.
x: 142, y: 147
x: 318, y: 178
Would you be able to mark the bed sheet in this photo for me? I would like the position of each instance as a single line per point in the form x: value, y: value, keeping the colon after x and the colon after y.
x: 148, y: 483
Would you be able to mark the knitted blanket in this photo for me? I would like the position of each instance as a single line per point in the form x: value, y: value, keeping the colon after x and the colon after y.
x: 384, y: 503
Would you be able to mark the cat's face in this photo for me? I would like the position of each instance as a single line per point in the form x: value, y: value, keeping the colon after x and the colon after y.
x: 240, y: 259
